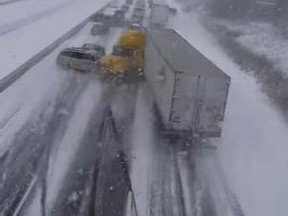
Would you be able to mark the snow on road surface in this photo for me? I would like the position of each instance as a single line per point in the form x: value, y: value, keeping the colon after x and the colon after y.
x: 142, y: 152
x: 32, y: 10
x: 263, y: 39
x: 64, y: 153
x: 39, y: 88
x: 35, y: 90
x: 7, y: 28
x: 44, y: 83
x: 28, y: 108
x: 20, y: 45
x: 253, y: 149
x: 4, y: 2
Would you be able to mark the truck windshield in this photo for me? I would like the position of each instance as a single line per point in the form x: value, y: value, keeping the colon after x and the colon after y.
x: 82, y: 56
x: 118, y: 51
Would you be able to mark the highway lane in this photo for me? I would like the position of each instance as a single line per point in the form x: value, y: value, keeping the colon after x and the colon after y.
x: 24, y: 158
x: 97, y: 178
x: 44, y: 116
x: 10, y: 27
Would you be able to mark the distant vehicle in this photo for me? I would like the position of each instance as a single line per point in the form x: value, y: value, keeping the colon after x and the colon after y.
x: 137, y: 19
x: 119, y: 15
x: 114, y: 4
x: 94, y: 47
x: 125, y: 7
x: 265, y: 8
x: 110, y: 17
x: 127, y: 59
x: 83, y: 58
x: 159, y: 15
x: 106, y: 16
x: 99, y: 29
x: 135, y: 26
x: 173, y: 10
x: 139, y: 11
x: 151, y: 2
x: 140, y: 5
x: 138, y: 2
x: 119, y: 18
x: 138, y: 15
x: 129, y: 2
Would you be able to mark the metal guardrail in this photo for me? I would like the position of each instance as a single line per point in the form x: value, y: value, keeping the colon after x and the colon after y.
x: 11, y: 78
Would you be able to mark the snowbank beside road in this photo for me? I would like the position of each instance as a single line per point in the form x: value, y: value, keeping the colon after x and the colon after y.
x: 3, y: 2
x: 262, y: 39
x: 10, y: 13
x: 20, y: 45
x: 253, y: 149
x: 29, y: 19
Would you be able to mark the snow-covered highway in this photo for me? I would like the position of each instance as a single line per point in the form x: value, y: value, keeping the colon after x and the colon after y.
x: 51, y: 127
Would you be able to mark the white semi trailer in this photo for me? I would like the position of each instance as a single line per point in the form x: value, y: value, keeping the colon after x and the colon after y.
x: 190, y: 92
x: 265, y: 8
x: 159, y: 16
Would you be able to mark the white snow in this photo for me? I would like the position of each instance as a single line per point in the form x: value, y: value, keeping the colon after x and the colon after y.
x: 20, y: 45
x: 36, y: 92
x: 8, y: 1
x: 253, y: 149
x: 12, y: 13
x: 63, y: 155
x: 142, y: 152
x: 28, y: 99
x: 47, y: 74
x: 3, y: 2
x: 263, y: 39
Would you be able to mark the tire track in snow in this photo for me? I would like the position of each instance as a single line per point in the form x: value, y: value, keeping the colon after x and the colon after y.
x: 25, y: 157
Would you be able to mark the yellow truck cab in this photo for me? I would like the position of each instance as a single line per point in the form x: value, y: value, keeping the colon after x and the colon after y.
x: 127, y: 56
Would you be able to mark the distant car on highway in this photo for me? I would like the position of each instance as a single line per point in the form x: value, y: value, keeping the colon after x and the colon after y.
x: 173, y: 11
x: 159, y: 15
x: 82, y: 59
x: 135, y: 26
x: 119, y: 15
x: 138, y: 15
x: 114, y: 4
x: 110, y: 18
x: 129, y: 2
x: 125, y: 7
x: 94, y: 47
x: 99, y: 29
